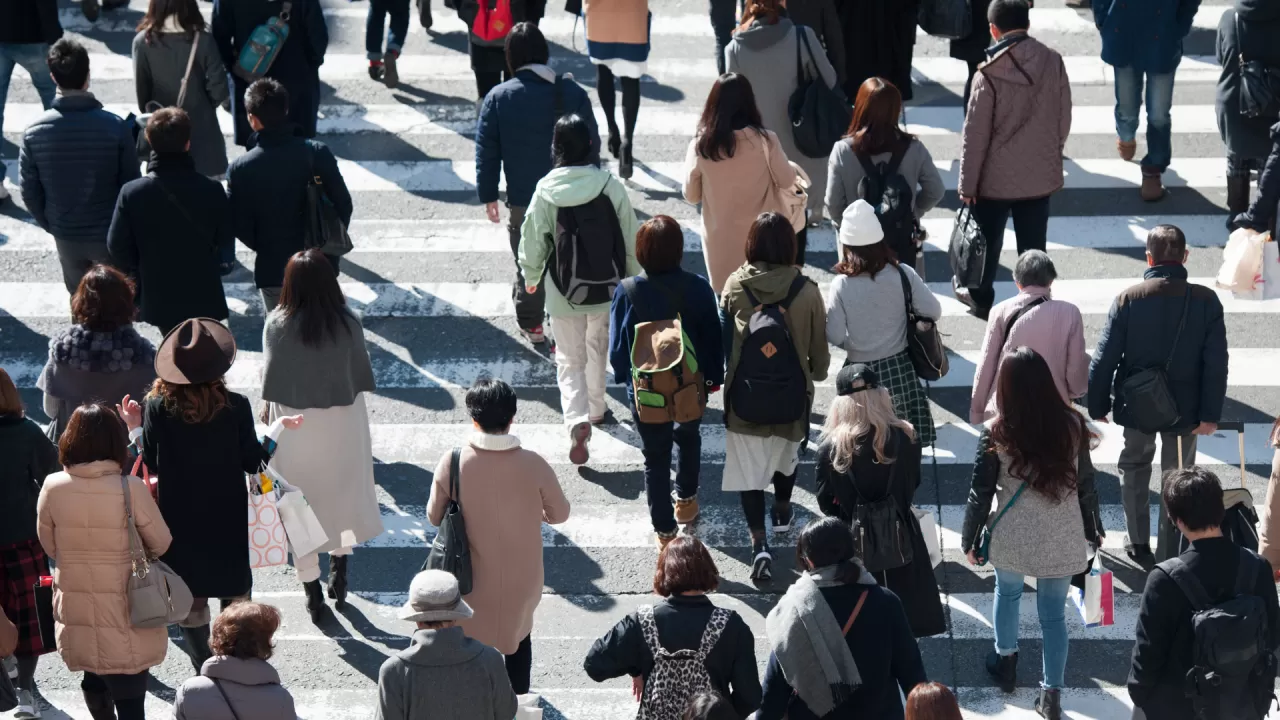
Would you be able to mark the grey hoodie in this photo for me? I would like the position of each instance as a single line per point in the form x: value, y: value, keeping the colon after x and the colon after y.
x: 252, y: 686
x: 445, y: 675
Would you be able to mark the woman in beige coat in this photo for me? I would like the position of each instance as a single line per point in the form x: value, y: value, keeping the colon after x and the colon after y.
x: 507, y: 492
x: 82, y: 526
x: 732, y: 167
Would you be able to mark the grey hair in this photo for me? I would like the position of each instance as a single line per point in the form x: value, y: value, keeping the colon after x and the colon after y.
x: 1034, y: 269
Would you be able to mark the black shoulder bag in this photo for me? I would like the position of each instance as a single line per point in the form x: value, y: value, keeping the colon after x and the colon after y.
x: 322, y: 228
x: 1259, y: 83
x: 924, y: 342
x: 882, y: 530
x: 819, y: 115
x: 1145, y: 392
x: 451, y: 551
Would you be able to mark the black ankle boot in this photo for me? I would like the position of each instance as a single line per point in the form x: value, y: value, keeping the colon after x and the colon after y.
x: 315, y: 600
x: 1004, y: 668
x: 624, y: 160
x: 1237, y: 198
x: 197, y: 645
x: 99, y: 705
x: 615, y: 142
x: 1049, y: 704
x: 338, y: 581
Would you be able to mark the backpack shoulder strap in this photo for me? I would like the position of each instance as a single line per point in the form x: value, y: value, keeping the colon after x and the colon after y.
x: 797, y: 286
x: 559, y: 97
x: 868, y: 167
x: 1246, y: 573
x: 629, y: 289
x: 1187, y: 582
x: 455, y: 475
x: 649, y: 628
x: 716, y: 624
x: 751, y: 297
x: 896, y: 160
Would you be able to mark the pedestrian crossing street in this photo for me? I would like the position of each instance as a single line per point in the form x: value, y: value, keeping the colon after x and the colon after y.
x: 431, y: 277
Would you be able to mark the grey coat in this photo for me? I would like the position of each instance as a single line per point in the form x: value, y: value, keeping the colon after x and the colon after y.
x: 251, y: 685
x: 445, y: 675
x: 766, y: 55
x: 158, y: 68
x: 844, y: 172
x: 314, y: 377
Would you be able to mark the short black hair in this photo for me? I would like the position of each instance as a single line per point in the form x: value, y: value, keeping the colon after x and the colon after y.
x: 267, y: 100
x: 492, y: 404
x: 1167, y: 243
x: 169, y: 130
x: 571, y: 142
x: 1009, y: 15
x: 526, y: 46
x: 1194, y: 496
x: 69, y: 64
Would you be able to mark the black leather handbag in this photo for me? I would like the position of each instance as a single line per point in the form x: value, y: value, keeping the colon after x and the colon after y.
x: 450, y: 551
x: 884, y: 533
x: 950, y: 19
x: 323, y: 230
x: 924, y: 342
x: 1259, y: 84
x: 1146, y: 394
x: 820, y: 115
x: 968, y: 250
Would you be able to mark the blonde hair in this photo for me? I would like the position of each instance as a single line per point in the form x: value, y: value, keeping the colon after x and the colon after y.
x: 852, y: 416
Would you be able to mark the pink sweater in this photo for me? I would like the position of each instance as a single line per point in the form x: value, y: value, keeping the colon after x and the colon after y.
x: 1054, y: 329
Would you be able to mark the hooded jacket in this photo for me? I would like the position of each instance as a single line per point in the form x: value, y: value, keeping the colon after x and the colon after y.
x: 445, y: 675
x: 1017, y: 123
x: 569, y: 187
x: 250, y: 684
x: 1259, y: 24
x: 1146, y: 35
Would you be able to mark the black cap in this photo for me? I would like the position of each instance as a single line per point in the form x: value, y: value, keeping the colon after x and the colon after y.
x: 847, y: 381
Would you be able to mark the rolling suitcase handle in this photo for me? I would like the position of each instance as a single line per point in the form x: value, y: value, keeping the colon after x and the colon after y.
x: 1238, y: 426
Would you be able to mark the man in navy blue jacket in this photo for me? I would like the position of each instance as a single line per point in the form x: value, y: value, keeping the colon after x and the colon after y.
x: 1140, y: 334
x: 513, y: 137
x: 73, y: 162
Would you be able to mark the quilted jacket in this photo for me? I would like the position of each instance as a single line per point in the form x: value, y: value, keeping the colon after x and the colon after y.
x: 1017, y: 123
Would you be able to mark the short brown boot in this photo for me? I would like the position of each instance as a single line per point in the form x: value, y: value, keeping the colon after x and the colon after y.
x: 687, y: 510
x: 1152, y: 187
x: 1127, y: 149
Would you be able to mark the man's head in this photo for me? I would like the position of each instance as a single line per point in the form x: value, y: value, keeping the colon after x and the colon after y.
x: 267, y: 104
x: 69, y: 65
x: 1193, y: 499
x: 1166, y: 244
x: 1034, y: 269
x: 1006, y: 16
x: 526, y: 46
x: 169, y: 130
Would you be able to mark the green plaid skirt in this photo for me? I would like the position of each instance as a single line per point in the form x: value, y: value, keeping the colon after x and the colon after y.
x: 898, y: 376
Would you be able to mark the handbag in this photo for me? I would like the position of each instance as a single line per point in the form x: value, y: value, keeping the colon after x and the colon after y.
x: 323, y: 229
x: 140, y: 121
x: 268, y: 544
x: 1259, y: 84
x: 882, y: 529
x: 984, y: 540
x: 924, y: 341
x: 157, y: 596
x: 950, y: 19
x: 819, y: 115
x: 301, y: 526
x: 792, y: 202
x: 42, y: 591
x: 1146, y: 393
x: 451, y: 551
x: 968, y: 250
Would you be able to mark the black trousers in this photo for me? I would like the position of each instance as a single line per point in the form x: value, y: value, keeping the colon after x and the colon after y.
x: 753, y: 500
x: 520, y: 666
x: 127, y: 692
x: 723, y: 19
x: 657, y: 441
x: 1030, y: 223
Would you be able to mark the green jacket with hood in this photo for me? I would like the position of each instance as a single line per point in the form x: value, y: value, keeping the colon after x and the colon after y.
x: 806, y: 319
x: 568, y: 187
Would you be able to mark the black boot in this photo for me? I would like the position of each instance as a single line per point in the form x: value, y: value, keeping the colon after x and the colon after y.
x: 1049, y: 704
x: 1237, y: 198
x: 1004, y: 669
x: 197, y: 645
x: 315, y: 600
x: 338, y: 581
x: 615, y: 142
x: 99, y: 705
x: 624, y: 159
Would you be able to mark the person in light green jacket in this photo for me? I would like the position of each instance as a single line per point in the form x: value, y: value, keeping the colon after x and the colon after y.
x: 581, y: 330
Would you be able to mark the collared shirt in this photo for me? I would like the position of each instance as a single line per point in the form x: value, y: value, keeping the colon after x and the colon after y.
x: 540, y: 70
x: 66, y: 92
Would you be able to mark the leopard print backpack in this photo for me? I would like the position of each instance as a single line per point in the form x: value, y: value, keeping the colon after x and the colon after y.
x: 676, y: 676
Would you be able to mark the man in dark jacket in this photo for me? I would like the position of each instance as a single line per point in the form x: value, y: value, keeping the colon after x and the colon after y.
x: 514, y: 137
x: 1143, y: 332
x: 268, y: 187
x: 27, y: 27
x: 1162, y: 654
x: 73, y: 162
x: 168, y: 227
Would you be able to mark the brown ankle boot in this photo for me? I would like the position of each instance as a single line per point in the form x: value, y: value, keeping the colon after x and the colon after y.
x: 1152, y: 187
x: 1127, y: 149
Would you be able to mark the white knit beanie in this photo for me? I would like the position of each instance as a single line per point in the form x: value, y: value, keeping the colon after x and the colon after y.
x: 860, y: 226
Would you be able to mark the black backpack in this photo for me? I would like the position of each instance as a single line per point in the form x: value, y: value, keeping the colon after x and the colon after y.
x: 768, y: 385
x: 882, y: 530
x: 886, y: 190
x: 1234, y: 672
x: 589, y: 255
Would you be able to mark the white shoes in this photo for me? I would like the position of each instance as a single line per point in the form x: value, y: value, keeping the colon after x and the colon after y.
x: 27, y: 708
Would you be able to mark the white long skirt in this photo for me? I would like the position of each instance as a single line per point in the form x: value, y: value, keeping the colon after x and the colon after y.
x: 750, y: 461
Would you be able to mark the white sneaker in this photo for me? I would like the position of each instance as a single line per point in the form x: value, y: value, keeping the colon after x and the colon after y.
x: 4, y: 191
x: 27, y: 708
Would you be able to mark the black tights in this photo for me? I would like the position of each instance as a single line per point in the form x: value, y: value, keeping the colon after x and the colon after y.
x: 753, y: 500
x: 630, y: 101
x: 520, y: 666
x: 27, y: 671
x: 486, y: 81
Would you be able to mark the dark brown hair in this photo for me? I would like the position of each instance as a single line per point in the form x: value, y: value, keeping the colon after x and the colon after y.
x: 767, y: 10
x: 94, y: 433
x: 103, y: 301
x: 828, y: 542
x: 865, y: 259
x: 685, y: 565
x: 771, y: 239
x: 311, y: 296
x: 158, y: 11
x: 169, y: 130
x: 244, y: 630
x: 195, y: 403
x: 10, y: 400
x: 731, y: 106
x: 876, y: 111
x: 1166, y: 243
x: 932, y: 701
x: 660, y: 245
x: 1034, y: 426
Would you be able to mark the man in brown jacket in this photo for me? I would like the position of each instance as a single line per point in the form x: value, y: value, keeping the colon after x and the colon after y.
x: 1015, y: 129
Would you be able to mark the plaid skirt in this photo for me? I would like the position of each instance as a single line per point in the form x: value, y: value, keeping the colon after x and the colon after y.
x: 898, y: 376
x: 21, y: 566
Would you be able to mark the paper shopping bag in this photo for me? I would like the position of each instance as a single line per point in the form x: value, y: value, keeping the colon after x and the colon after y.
x: 1096, y: 602
x: 300, y: 522
x: 1241, y: 270
x: 266, y: 531
x: 929, y: 528
x: 1270, y: 270
x: 528, y: 707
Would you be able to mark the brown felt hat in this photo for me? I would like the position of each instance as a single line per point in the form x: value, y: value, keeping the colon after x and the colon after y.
x: 199, y: 350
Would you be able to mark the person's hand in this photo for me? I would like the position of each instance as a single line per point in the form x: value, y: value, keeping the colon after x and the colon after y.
x: 973, y: 558
x: 491, y: 209
x: 637, y: 687
x: 292, y: 422
x: 1206, y: 428
x: 966, y: 200
x: 531, y: 289
x: 130, y: 412
x: 714, y: 389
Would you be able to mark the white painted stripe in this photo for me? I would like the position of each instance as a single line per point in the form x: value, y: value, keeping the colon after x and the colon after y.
x: 1085, y: 120
x: 1246, y: 367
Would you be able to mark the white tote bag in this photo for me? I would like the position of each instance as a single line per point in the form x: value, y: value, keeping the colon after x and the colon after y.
x: 300, y: 522
x: 929, y: 528
x: 1241, y: 271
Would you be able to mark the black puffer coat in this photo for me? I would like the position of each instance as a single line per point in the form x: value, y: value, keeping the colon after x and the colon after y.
x: 1260, y: 28
x: 27, y: 457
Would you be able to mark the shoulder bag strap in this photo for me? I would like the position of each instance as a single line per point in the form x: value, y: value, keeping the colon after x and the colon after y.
x: 1239, y: 37
x: 455, y: 476
x: 1008, y: 327
x: 559, y: 97
x: 226, y: 698
x: 181, y: 208
x: 906, y: 293
x: 996, y: 520
x: 186, y: 76
x: 804, y: 38
x: 854, y: 615
x: 137, y: 555
x: 1187, y: 582
x: 1182, y: 321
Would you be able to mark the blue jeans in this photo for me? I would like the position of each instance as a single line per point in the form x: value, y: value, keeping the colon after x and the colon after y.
x: 378, y: 11
x: 32, y: 58
x: 1159, y: 100
x: 1051, y: 604
x: 656, y: 443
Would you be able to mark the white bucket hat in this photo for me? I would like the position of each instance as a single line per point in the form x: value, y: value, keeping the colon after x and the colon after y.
x: 434, y: 597
x: 859, y: 225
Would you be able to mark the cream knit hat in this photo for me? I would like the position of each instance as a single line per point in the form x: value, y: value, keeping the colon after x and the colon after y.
x: 860, y: 226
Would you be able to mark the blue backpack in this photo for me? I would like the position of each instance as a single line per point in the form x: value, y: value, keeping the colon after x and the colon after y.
x: 263, y: 45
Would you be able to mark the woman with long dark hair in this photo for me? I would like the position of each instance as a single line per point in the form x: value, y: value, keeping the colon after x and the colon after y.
x: 1033, y: 460
x: 316, y: 365
x: 581, y: 328
x: 731, y: 168
x: 836, y: 609
x: 876, y: 138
